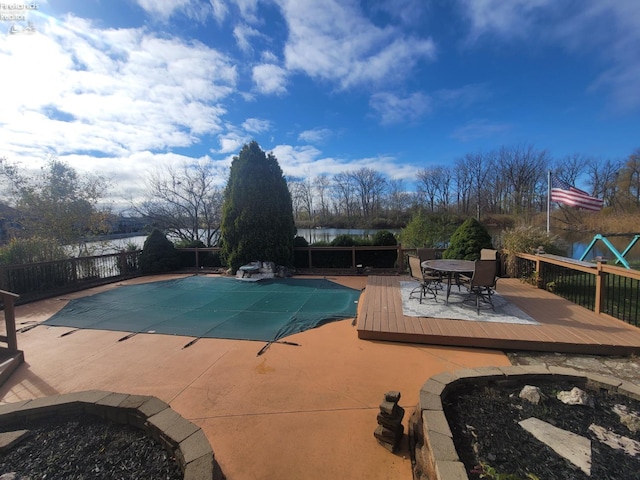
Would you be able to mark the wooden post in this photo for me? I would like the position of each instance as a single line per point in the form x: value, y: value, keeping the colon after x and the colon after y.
x: 197, y: 260
x: 400, y: 259
x: 10, y: 319
x: 600, y: 278
x: 353, y: 257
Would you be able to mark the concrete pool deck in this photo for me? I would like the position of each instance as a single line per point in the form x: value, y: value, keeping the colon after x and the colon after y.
x: 295, y: 412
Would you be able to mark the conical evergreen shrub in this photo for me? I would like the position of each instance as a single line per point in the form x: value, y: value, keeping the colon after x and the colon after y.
x: 467, y: 241
x: 257, y: 215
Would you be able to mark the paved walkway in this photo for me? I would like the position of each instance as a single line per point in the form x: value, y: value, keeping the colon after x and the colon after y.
x: 295, y: 412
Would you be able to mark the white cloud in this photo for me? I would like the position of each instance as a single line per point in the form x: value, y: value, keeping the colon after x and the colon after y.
x: 220, y: 10
x: 256, y: 125
x: 316, y: 135
x: 606, y: 31
x: 462, y: 97
x: 391, y: 108
x: 232, y: 142
x: 122, y: 91
x: 514, y: 18
x: 477, y: 129
x: 270, y: 79
x: 332, y: 40
x: 309, y: 162
x: 243, y: 34
x: 164, y: 9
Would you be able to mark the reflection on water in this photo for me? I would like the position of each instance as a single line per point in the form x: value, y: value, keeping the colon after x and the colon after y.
x: 575, y: 243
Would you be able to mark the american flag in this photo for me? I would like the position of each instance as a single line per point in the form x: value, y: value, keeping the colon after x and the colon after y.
x: 563, y: 192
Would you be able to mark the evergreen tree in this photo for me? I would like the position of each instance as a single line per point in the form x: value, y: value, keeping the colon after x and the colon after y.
x: 468, y: 240
x: 158, y: 254
x: 257, y: 214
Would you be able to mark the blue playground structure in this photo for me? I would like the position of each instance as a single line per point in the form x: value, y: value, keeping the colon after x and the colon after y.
x: 619, y: 256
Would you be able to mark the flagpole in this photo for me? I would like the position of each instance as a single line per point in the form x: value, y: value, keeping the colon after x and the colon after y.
x: 548, y: 201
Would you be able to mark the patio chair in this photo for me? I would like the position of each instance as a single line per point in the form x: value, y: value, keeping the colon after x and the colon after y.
x: 482, y: 284
x: 488, y: 254
x: 428, y: 282
x: 428, y: 254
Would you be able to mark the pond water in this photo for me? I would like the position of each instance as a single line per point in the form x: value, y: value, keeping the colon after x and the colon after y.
x: 576, y: 243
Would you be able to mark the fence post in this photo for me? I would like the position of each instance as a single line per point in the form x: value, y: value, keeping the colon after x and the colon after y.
x: 197, y: 260
x: 600, y: 278
x: 353, y: 257
x: 10, y: 319
x: 400, y: 259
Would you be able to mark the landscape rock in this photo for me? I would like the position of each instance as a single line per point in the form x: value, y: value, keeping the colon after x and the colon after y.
x: 532, y: 394
x: 575, y: 448
x: 631, y: 420
x: 576, y: 396
x: 615, y: 441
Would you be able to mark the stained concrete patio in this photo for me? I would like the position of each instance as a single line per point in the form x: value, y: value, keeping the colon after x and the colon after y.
x: 295, y: 412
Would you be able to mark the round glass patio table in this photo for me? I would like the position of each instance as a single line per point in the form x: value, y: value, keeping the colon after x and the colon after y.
x: 450, y: 267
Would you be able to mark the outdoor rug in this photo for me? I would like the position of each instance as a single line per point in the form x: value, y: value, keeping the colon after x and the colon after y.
x: 505, y: 312
x: 213, y: 307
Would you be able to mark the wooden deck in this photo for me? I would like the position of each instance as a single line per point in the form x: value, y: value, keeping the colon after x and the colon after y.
x: 564, y: 326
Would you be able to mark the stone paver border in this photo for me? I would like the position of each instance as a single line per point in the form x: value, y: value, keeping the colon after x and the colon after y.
x: 181, y: 438
x: 432, y: 441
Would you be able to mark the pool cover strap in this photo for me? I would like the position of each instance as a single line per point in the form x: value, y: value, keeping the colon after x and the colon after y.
x: 213, y: 307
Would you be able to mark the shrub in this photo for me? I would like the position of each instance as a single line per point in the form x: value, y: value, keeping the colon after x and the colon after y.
x: 344, y: 240
x: 384, y: 238
x: 300, y: 242
x: 31, y: 250
x: 527, y: 239
x: 468, y: 240
x: 158, y: 254
x: 428, y: 230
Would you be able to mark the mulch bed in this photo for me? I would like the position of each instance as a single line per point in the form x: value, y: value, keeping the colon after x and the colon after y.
x: 484, y: 422
x: 87, y: 447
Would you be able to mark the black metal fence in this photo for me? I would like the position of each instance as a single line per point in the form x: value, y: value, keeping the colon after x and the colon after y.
x: 603, y: 288
x: 40, y: 280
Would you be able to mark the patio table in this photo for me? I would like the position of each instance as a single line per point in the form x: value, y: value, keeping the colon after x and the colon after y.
x: 449, y: 267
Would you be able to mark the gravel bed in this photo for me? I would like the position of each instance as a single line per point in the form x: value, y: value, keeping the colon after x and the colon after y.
x: 87, y: 447
x: 484, y: 423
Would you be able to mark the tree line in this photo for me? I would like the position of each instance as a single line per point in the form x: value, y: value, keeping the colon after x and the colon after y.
x: 506, y: 181
x: 186, y: 201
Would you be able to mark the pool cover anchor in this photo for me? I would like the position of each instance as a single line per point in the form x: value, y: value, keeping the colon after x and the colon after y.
x: 283, y: 342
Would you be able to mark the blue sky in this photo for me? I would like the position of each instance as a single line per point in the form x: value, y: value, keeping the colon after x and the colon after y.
x: 121, y: 87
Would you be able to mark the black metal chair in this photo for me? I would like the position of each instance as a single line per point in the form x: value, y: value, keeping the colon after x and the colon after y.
x: 482, y: 284
x: 429, y: 283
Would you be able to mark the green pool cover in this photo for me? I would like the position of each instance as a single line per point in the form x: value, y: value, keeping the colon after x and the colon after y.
x: 212, y: 307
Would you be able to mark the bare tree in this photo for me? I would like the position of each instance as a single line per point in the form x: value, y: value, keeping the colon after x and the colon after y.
x: 302, y: 197
x: 398, y: 199
x: 344, y: 191
x: 629, y: 180
x: 322, y: 184
x: 428, y: 187
x: 603, y: 178
x: 370, y: 188
x: 185, y: 201
x: 569, y: 168
x: 462, y: 175
x: 524, y: 168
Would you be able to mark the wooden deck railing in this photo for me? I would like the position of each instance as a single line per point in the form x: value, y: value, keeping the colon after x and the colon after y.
x: 34, y: 281
x: 605, y: 289
x: 8, y: 302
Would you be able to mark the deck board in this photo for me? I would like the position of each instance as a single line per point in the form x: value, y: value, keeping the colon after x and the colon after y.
x: 564, y: 326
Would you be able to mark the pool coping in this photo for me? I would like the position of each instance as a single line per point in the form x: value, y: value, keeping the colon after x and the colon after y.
x: 182, y: 439
x: 436, y: 457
